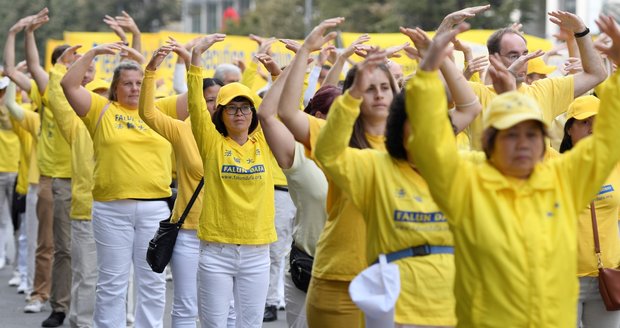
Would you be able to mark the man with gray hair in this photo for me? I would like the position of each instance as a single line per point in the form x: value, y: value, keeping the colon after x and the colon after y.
x: 227, y: 73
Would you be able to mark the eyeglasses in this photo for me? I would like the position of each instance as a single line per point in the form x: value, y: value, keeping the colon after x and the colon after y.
x: 232, y: 109
x: 513, y: 56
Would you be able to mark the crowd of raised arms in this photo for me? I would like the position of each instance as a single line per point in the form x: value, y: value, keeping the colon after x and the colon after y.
x: 445, y: 198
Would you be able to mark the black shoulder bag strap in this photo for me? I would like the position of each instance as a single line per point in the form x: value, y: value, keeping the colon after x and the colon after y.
x: 191, y: 203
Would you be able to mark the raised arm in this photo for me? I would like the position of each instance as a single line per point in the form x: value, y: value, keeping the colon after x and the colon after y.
x: 76, y: 94
x: 63, y: 115
x: 197, y: 105
x: 158, y: 121
x: 432, y: 144
x: 333, y: 76
x: 32, y: 53
x: 15, y: 110
x: 280, y: 139
x: 466, y: 104
x: 9, y: 55
x: 348, y: 167
x: 128, y: 24
x: 593, y: 69
x: 294, y: 119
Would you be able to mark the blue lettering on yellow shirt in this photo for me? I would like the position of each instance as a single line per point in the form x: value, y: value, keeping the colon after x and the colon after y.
x: 240, y: 170
x: 418, y: 217
x: 605, y: 189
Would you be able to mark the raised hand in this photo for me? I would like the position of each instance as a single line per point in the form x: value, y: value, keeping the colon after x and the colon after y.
x: 568, y: 21
x: 181, y: 50
x: 271, y: 66
x: 503, y: 79
x: 348, y: 51
x: 107, y: 48
x: 114, y: 26
x: 38, y: 20
x: 317, y: 37
x: 476, y: 65
x: 69, y: 56
x: 127, y: 23
x: 291, y: 45
x: 206, y: 42
x: 440, y: 48
x: 519, y: 64
x: 365, y: 69
x: 460, y: 16
x: 418, y: 36
x: 158, y: 57
x: 608, y: 26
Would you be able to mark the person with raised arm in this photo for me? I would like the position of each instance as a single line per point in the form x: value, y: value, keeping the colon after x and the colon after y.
x: 514, y: 218
x: 132, y: 178
x: 236, y: 225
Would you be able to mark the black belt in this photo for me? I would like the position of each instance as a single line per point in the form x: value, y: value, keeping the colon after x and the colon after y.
x: 281, y: 188
x: 422, y: 250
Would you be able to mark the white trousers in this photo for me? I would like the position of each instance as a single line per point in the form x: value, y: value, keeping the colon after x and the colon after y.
x: 226, y: 271
x: 284, y: 217
x: 295, y: 302
x: 84, y: 274
x: 7, y: 186
x: 32, y: 230
x: 122, y: 230
x: 184, y: 264
x: 591, y: 311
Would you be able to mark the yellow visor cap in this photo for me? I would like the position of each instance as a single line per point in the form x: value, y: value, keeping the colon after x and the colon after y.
x: 233, y: 90
x: 537, y: 65
x: 583, y: 107
x: 509, y: 109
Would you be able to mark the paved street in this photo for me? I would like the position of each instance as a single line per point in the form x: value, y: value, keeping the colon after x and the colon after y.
x: 12, y: 308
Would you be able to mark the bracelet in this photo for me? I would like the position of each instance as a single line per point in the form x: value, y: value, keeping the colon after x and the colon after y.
x: 582, y: 34
x: 469, y: 104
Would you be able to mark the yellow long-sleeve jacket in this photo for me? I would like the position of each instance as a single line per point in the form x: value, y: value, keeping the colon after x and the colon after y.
x: 238, y: 208
x: 76, y: 134
x: 399, y: 213
x: 188, y: 161
x: 515, y: 240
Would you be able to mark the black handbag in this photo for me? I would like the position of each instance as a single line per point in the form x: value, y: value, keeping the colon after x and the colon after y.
x: 160, y: 247
x: 300, y: 268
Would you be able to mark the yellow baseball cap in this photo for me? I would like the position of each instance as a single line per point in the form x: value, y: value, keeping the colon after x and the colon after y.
x: 537, y: 65
x: 583, y: 107
x: 509, y: 109
x: 97, y: 84
x: 233, y: 90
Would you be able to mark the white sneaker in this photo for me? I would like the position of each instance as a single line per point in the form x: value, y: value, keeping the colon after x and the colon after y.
x: 2, y: 262
x: 22, y: 288
x: 28, y: 297
x: 35, y: 306
x: 16, y: 280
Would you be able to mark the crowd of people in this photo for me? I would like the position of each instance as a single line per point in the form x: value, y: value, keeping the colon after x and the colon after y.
x: 447, y: 197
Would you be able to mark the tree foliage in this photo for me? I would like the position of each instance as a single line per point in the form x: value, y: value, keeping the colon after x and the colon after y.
x: 283, y: 18
x: 84, y: 15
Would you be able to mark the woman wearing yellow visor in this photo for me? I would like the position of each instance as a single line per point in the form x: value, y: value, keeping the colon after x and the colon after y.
x: 513, y: 218
x: 591, y: 311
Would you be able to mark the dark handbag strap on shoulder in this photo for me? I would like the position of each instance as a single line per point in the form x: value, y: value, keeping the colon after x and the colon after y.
x: 597, y: 246
x: 191, y: 202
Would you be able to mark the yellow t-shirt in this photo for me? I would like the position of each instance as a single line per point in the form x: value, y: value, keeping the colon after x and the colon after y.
x: 515, y: 245
x: 399, y: 213
x: 607, y: 207
x: 25, y: 151
x: 53, y: 152
x: 552, y: 94
x: 238, y: 208
x: 188, y: 161
x: 9, y: 149
x: 32, y: 124
x: 75, y: 133
x: 131, y: 160
x: 341, y: 249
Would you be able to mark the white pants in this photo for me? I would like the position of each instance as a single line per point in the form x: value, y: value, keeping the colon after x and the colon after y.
x: 122, y: 230
x: 22, y: 248
x: 591, y: 311
x: 184, y: 264
x: 284, y: 217
x: 84, y: 273
x: 32, y: 230
x: 7, y: 185
x: 295, y: 302
x: 225, y: 270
